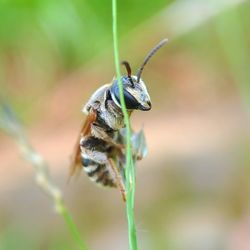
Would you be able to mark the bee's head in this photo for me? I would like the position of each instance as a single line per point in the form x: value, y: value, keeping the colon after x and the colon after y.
x: 135, y: 92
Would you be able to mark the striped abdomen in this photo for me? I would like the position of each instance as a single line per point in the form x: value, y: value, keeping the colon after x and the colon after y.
x: 97, y: 172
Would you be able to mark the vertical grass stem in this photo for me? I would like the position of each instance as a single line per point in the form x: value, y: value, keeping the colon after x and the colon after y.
x: 129, y: 168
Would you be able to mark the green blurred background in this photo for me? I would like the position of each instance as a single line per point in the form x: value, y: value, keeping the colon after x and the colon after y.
x: 193, y: 189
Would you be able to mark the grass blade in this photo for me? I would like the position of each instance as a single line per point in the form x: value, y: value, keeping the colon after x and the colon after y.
x: 129, y: 168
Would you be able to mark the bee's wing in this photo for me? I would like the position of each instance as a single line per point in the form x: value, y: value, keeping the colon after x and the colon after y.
x: 139, y: 144
x: 138, y: 141
x: 75, y: 165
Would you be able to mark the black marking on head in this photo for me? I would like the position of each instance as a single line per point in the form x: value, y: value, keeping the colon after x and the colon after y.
x: 151, y: 53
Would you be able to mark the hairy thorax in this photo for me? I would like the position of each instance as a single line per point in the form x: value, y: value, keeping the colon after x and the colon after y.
x: 112, y: 115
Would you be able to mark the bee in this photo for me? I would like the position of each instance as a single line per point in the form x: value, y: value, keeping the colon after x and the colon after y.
x: 100, y: 147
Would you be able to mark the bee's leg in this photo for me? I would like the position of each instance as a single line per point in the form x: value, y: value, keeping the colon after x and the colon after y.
x: 103, y: 170
x: 95, y: 161
x: 96, y: 150
x: 100, y: 133
x: 118, y: 177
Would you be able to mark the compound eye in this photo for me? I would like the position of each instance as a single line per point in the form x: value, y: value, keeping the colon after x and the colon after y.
x: 130, y: 101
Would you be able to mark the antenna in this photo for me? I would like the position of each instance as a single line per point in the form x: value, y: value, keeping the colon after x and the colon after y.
x: 151, y: 53
x: 127, y: 66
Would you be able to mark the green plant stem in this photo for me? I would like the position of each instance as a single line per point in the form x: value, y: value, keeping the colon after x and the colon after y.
x: 129, y: 168
x: 63, y: 211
